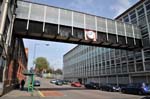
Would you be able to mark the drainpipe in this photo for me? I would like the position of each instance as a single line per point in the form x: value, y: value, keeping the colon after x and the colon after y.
x: 3, y: 17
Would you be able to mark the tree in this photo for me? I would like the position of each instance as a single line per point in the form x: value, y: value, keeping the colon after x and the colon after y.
x: 41, y: 64
x: 58, y: 71
x: 49, y: 70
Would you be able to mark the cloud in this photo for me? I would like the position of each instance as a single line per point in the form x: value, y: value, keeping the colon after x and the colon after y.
x: 120, y: 6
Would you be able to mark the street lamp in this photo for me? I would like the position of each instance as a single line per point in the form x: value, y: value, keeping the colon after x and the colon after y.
x: 35, y: 45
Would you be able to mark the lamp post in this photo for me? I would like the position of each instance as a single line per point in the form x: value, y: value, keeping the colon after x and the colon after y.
x: 35, y: 45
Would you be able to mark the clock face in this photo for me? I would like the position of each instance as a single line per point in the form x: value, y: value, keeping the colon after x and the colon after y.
x: 90, y: 34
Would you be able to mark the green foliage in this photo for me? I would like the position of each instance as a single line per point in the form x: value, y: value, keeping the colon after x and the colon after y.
x: 49, y: 70
x: 58, y: 71
x: 41, y: 63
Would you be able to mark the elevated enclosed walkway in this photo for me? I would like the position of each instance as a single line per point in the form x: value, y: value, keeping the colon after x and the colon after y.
x: 44, y: 22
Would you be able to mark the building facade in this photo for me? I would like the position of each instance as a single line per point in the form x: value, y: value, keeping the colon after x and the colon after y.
x: 13, y: 57
x: 116, y: 66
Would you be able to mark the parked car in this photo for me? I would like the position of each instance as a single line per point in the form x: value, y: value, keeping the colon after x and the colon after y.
x: 76, y: 84
x: 37, y: 83
x: 92, y: 85
x: 53, y: 81
x: 59, y: 82
x: 65, y: 82
x: 136, y: 88
x: 109, y: 87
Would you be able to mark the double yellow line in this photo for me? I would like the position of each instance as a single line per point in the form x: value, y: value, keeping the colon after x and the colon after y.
x: 40, y: 93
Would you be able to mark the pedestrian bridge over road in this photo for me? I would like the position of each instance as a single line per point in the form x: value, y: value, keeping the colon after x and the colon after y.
x: 44, y: 22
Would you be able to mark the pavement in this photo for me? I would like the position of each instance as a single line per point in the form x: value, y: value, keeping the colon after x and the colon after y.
x: 52, y: 91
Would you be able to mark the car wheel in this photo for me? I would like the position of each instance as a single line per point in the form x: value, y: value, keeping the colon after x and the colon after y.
x: 110, y: 90
x: 140, y: 92
x: 123, y: 91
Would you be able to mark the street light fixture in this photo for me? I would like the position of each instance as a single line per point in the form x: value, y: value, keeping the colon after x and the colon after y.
x: 35, y: 45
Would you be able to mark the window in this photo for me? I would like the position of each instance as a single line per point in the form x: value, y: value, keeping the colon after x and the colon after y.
x: 147, y: 54
x: 108, y: 63
x: 113, y: 70
x: 147, y: 66
x: 146, y: 42
x: 124, y: 68
x: 118, y: 68
x: 142, y: 22
x: 118, y: 60
x: 131, y: 67
x: 148, y: 17
x: 108, y: 70
x: 138, y: 55
x: 144, y: 31
x: 112, y: 62
x: 132, y: 15
x: 147, y: 4
x: 123, y: 59
x: 103, y: 65
x: 126, y: 19
x: 117, y: 53
x: 103, y: 71
x: 107, y: 56
x: 140, y: 10
x: 139, y: 67
x: 130, y: 58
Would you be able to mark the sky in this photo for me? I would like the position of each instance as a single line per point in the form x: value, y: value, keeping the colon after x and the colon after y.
x: 55, y: 51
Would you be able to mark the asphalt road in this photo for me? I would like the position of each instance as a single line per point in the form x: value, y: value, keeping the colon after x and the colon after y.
x: 51, y: 91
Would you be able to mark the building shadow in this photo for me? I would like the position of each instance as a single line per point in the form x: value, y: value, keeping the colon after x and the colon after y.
x: 147, y: 97
x: 58, y: 89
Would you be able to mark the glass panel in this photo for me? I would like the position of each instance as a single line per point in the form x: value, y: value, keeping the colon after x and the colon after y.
x: 101, y: 25
x: 129, y: 31
x: 111, y: 26
x: 37, y: 12
x: 137, y: 32
x: 65, y: 17
x: 22, y: 10
x: 78, y: 19
x: 90, y: 22
x: 120, y: 28
x: 52, y: 18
